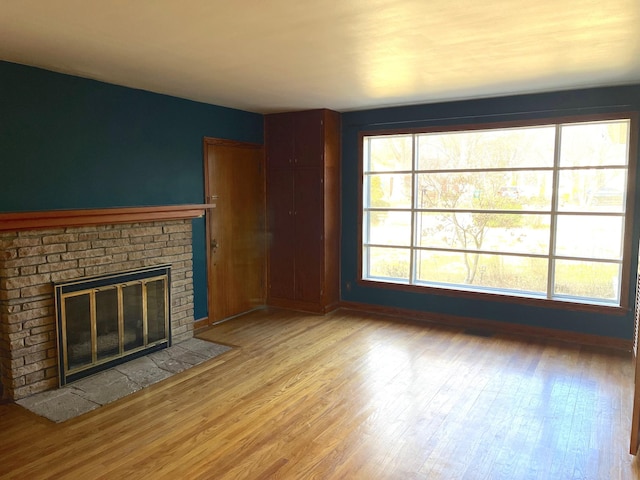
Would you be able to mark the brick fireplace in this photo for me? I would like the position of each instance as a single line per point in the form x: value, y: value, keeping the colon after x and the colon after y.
x: 32, y: 259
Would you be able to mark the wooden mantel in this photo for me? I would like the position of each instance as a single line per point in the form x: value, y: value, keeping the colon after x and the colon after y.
x: 74, y: 218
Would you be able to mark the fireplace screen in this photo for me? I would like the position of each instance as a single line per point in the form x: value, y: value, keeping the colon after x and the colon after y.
x: 104, y: 321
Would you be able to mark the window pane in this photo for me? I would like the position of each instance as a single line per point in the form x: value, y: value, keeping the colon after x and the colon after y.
x: 594, y: 280
x: 388, y: 228
x: 513, y: 147
x: 590, y: 236
x: 388, y: 190
x: 493, y: 271
x: 389, y: 263
x: 388, y: 153
x: 594, y: 144
x: 513, y: 233
x: 592, y: 190
x: 522, y: 190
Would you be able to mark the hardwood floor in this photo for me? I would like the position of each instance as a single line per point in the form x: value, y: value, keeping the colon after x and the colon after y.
x: 351, y: 396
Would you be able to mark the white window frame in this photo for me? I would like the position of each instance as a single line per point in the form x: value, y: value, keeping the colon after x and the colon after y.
x: 413, y: 284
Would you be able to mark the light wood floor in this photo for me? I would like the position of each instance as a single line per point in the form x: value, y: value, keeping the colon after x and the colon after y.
x: 350, y: 396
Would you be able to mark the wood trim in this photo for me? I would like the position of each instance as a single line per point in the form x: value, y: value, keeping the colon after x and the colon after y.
x: 498, y: 297
x: 74, y: 218
x: 609, y: 343
x: 441, y: 125
x: 301, y: 306
x: 634, y: 442
x: 297, y: 305
x: 229, y: 143
x: 200, y: 324
x: 627, y: 248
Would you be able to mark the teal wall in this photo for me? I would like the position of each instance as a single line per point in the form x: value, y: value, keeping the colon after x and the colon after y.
x: 67, y: 142
x: 465, y: 112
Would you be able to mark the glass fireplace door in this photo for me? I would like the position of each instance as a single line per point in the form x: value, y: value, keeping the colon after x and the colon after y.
x: 104, y: 320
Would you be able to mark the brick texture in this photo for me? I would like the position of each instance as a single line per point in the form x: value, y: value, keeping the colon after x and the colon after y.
x: 31, y: 262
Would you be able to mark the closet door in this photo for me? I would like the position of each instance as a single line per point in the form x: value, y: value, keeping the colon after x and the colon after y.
x: 279, y: 141
x: 281, y: 241
x: 303, y: 151
x: 308, y: 139
x: 309, y: 228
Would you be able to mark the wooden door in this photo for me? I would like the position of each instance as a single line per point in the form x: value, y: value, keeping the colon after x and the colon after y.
x: 235, y: 227
x: 635, y: 417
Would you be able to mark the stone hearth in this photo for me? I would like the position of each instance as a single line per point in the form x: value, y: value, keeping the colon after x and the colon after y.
x: 112, y: 384
x: 31, y: 260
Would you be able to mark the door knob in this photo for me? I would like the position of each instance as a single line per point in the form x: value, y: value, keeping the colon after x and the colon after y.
x: 214, y: 244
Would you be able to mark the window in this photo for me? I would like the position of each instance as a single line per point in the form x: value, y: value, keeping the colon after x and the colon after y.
x: 533, y: 211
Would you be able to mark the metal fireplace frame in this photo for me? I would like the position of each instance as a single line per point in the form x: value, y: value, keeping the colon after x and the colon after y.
x: 92, y: 285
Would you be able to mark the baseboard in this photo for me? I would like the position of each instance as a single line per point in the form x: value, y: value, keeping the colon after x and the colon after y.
x: 202, y: 323
x: 232, y: 317
x: 494, y: 326
x: 331, y: 307
x: 295, y: 305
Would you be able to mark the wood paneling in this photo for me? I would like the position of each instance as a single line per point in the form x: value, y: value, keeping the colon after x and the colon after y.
x: 350, y: 395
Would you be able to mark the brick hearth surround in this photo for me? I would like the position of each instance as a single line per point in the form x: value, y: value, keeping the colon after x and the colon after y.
x: 31, y: 261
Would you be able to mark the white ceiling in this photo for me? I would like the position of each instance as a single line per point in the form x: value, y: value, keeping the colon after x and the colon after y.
x: 276, y: 55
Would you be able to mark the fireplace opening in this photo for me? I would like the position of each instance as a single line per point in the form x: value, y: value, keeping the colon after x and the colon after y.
x: 107, y: 320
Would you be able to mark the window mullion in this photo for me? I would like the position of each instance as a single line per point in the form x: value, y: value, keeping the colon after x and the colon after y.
x: 554, y: 214
x: 412, y: 250
x: 366, y: 230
